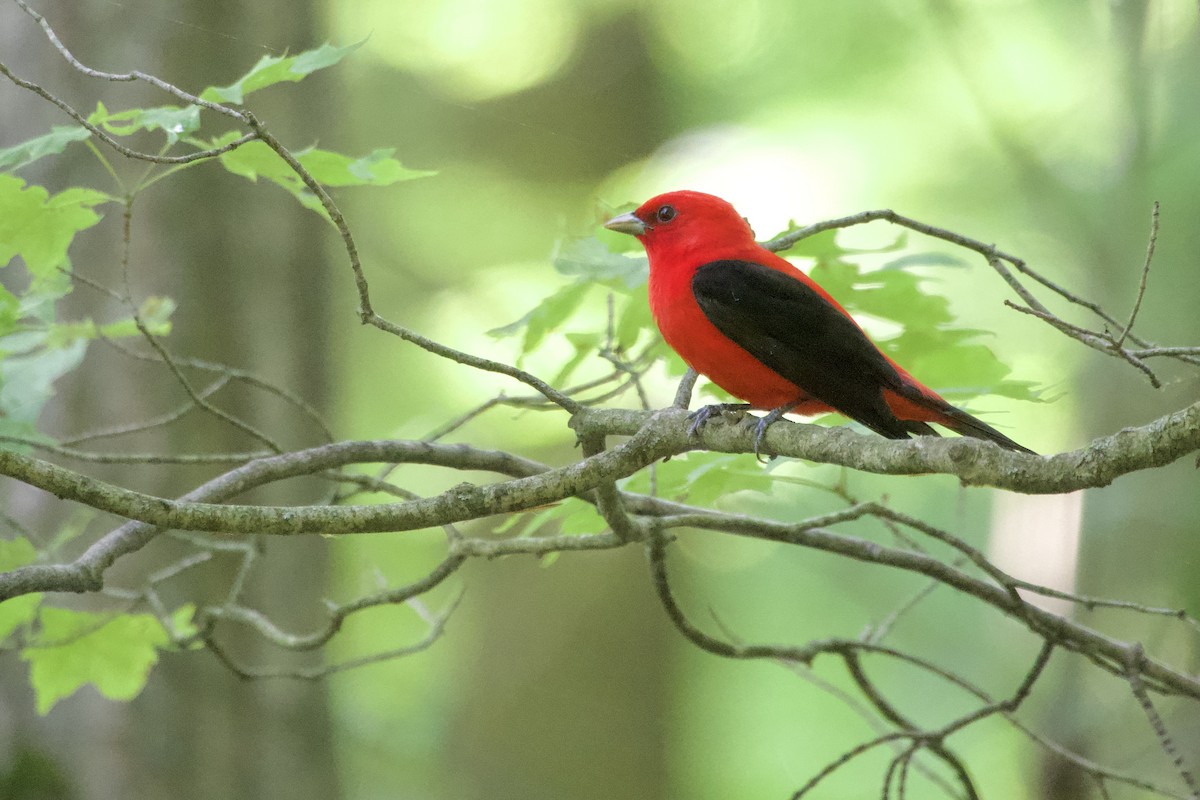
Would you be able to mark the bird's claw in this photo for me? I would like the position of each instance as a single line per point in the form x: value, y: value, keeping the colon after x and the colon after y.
x: 700, y: 417
x: 760, y: 430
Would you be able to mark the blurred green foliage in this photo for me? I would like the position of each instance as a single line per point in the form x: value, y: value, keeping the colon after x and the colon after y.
x: 1048, y: 128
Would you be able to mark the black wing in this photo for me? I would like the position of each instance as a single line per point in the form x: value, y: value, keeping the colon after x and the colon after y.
x: 798, y: 334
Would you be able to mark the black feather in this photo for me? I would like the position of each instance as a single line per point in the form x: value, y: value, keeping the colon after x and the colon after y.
x: 795, y: 332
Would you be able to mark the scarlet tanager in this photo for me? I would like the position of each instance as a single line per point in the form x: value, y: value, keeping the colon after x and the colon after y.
x: 766, y: 333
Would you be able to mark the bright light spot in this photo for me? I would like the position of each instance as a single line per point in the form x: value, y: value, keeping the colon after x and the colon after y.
x: 710, y: 38
x: 476, y: 49
x: 1169, y: 26
x: 769, y: 178
x: 1036, y: 538
x: 726, y: 554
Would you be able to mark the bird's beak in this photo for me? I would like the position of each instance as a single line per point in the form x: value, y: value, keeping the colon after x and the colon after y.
x: 626, y: 223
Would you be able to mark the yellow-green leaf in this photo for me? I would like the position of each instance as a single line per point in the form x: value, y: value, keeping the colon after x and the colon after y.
x: 73, y: 648
x: 40, y: 227
x: 271, y: 70
x: 47, y: 144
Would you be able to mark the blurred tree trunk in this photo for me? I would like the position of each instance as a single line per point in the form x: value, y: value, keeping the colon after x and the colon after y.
x: 233, y: 247
x: 245, y: 264
x: 568, y: 689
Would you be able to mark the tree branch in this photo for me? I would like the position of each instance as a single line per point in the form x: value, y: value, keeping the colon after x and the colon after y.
x: 973, y: 462
x: 656, y: 435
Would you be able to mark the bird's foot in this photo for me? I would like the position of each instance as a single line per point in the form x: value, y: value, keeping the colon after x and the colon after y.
x: 700, y: 417
x: 760, y: 429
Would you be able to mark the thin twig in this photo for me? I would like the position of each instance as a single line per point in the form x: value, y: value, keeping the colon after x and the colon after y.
x: 1137, y: 304
x: 997, y: 260
x: 1134, y: 667
x: 99, y: 133
x: 147, y: 424
x: 137, y: 458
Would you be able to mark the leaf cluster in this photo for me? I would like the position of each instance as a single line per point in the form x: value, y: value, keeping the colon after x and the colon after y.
x: 884, y: 287
x: 114, y: 651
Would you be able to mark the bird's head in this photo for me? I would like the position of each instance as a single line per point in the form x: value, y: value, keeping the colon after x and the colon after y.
x: 672, y: 225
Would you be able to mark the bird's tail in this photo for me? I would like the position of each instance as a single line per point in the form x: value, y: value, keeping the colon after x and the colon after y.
x: 916, y: 408
x: 963, y: 423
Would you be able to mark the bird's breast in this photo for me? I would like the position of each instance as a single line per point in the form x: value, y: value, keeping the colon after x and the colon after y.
x: 708, y: 351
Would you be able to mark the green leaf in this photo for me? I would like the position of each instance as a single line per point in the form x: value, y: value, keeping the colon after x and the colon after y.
x: 39, y: 227
x: 20, y: 429
x: 711, y: 480
x: 574, y: 518
x: 183, y: 623
x: 17, y: 612
x: 703, y: 478
x: 546, y: 317
x: 26, y: 380
x: 271, y: 70
x: 16, y: 553
x: 156, y: 316
x: 10, y: 312
x: 582, y: 519
x: 591, y: 263
x: 585, y: 344
x: 956, y: 366
x: 47, y: 144
x: 377, y: 168
x: 892, y: 295
x: 946, y: 359
x: 590, y: 260
x: 73, y: 648
x: 635, y: 320
x: 154, y: 311
x: 40, y: 301
x: 255, y: 159
x: 173, y: 121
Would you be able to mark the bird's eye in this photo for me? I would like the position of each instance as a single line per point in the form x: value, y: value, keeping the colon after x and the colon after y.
x: 665, y: 213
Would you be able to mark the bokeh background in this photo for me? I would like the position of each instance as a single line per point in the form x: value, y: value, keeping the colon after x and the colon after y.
x: 1046, y: 127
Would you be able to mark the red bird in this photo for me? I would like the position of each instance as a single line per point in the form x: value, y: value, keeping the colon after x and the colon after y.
x: 765, y: 332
